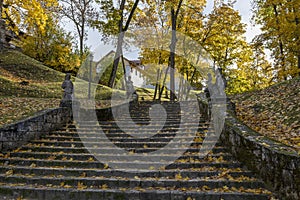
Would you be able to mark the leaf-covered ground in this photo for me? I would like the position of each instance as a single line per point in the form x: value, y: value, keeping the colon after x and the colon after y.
x: 16, y: 108
x: 273, y: 112
x: 27, y: 86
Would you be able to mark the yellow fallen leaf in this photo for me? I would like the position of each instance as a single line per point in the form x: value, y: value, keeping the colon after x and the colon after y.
x: 104, y: 186
x: 83, y: 175
x: 33, y: 165
x: 81, y: 186
x: 9, y: 172
x: 105, y: 166
x: 178, y: 176
x: 91, y: 159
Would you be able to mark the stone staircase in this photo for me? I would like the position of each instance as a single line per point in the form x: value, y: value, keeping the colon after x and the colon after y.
x: 61, y: 165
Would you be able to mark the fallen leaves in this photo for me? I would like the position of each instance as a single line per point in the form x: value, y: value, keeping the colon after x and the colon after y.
x: 81, y: 186
x: 273, y: 112
x: 9, y: 172
x: 33, y: 165
x: 14, y: 108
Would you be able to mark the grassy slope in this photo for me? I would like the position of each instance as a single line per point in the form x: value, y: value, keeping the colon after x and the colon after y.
x: 15, y: 67
x: 17, y: 101
x: 274, y: 111
x: 41, y: 91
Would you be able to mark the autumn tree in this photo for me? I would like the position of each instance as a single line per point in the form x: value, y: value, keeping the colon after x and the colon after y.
x: 280, y: 27
x: 2, y: 31
x: 116, y: 18
x: 52, y: 46
x: 27, y: 15
x: 190, y: 22
x: 42, y: 39
x: 81, y: 13
x: 151, y: 29
x: 162, y: 21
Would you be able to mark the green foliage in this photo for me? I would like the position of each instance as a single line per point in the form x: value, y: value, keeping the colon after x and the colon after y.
x: 53, y: 47
x: 106, y: 74
x: 104, y: 66
x: 116, y: 17
x: 41, y: 81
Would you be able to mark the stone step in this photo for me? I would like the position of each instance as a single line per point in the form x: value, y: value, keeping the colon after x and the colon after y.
x: 126, y: 145
x: 60, y: 166
x: 77, y: 138
x: 109, y: 150
x: 119, y: 164
x: 120, y: 136
x: 116, y: 182
x: 86, y: 172
x: 138, y: 130
x: 140, y: 122
x: 85, y: 157
x: 126, y: 125
x: 50, y: 193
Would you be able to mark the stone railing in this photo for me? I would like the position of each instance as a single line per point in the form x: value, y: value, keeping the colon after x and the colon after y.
x: 275, y: 163
x: 14, y: 135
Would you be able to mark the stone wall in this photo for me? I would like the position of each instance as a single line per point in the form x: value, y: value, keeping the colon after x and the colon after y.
x: 275, y: 163
x: 14, y: 135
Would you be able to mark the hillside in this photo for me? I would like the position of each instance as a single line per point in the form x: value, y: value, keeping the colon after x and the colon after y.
x: 273, y: 112
x: 27, y: 87
x: 22, y: 76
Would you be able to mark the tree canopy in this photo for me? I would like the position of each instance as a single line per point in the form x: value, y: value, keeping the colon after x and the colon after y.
x: 220, y: 32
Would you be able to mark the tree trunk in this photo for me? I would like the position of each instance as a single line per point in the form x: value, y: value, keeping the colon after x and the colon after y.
x: 118, y: 54
x: 119, y: 47
x: 119, y: 51
x: 163, y: 84
x: 174, y: 16
x: 299, y: 65
x: 157, y: 84
x: 124, y: 82
x: 1, y: 5
x: 282, y: 57
x: 172, y: 56
x: 2, y: 26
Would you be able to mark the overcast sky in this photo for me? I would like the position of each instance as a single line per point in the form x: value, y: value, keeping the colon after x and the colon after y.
x: 243, y: 6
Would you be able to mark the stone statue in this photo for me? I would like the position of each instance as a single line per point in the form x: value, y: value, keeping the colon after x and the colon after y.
x: 68, y: 88
x: 221, y: 76
x: 220, y: 84
x: 130, y: 89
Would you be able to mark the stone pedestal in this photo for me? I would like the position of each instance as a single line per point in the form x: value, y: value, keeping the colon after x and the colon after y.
x: 2, y: 34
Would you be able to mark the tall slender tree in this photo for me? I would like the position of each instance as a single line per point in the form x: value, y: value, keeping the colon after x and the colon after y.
x: 2, y: 31
x: 81, y: 13
x: 175, y: 9
x: 116, y: 20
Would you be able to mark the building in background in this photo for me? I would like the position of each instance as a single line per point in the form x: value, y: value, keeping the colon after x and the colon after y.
x: 133, y: 68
